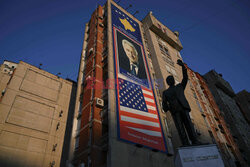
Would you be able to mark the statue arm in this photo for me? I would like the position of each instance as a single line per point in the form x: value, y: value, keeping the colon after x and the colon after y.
x: 185, y: 77
x: 184, y: 73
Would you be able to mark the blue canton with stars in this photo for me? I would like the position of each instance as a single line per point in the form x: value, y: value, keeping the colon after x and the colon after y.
x: 131, y: 96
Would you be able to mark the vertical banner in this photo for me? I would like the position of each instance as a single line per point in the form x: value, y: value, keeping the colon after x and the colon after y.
x: 137, y: 114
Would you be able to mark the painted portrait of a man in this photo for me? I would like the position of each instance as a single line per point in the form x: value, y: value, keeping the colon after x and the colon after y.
x: 132, y: 55
x: 130, y: 58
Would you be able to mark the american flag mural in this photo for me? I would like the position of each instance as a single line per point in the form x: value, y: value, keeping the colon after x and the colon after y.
x: 138, y: 119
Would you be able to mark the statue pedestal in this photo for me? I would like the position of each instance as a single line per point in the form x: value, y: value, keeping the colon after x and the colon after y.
x: 198, y: 156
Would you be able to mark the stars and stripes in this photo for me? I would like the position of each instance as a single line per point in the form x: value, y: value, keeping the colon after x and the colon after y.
x: 138, y: 109
x: 138, y: 119
x: 131, y: 96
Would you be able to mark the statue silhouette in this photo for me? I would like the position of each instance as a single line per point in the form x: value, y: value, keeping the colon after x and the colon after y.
x: 174, y: 100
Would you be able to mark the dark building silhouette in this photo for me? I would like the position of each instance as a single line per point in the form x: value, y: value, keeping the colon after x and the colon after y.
x: 236, y: 122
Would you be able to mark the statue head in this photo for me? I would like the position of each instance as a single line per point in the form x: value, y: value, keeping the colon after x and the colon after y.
x: 170, y: 80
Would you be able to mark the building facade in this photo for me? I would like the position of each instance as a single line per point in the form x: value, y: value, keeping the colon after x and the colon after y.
x: 220, y: 133
x: 34, y: 110
x: 90, y: 138
x: 243, y: 101
x: 98, y: 133
x: 236, y: 122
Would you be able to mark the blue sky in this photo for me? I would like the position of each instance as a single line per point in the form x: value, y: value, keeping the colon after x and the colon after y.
x: 215, y: 33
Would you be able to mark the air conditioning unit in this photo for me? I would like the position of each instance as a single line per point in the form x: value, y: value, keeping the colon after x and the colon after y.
x: 99, y: 102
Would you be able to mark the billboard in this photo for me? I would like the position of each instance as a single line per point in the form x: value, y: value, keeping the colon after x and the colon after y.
x: 137, y: 113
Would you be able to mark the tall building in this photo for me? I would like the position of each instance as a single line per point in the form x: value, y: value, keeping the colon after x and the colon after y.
x: 91, y: 136
x: 119, y: 120
x: 35, y: 107
x: 235, y: 120
x: 243, y: 101
x: 220, y: 133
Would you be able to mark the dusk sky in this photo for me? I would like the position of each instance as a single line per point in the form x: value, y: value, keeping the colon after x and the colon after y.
x: 215, y: 34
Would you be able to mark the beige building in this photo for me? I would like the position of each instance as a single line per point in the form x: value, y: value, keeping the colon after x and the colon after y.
x: 34, y: 108
x: 163, y: 49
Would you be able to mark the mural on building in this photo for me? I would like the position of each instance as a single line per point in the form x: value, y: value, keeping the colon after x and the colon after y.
x: 137, y: 113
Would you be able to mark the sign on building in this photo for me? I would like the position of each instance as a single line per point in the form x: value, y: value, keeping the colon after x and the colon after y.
x: 137, y: 113
x: 197, y: 156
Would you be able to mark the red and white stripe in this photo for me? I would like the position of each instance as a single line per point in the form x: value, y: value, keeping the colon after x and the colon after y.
x: 140, y: 121
x: 149, y: 98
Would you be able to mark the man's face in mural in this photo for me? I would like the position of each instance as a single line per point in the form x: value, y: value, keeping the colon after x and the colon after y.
x: 130, y: 51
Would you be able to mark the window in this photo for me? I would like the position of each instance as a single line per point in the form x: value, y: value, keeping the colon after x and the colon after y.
x: 149, y: 56
x: 77, y: 142
x: 171, y: 71
x: 167, y: 60
x: 168, y: 69
x: 146, y: 44
x: 163, y: 49
x: 78, y: 124
x: 166, y: 50
x: 199, y: 106
x: 166, y: 57
x: 195, y: 95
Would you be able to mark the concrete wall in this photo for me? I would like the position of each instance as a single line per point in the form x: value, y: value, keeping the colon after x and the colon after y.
x: 33, y: 117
